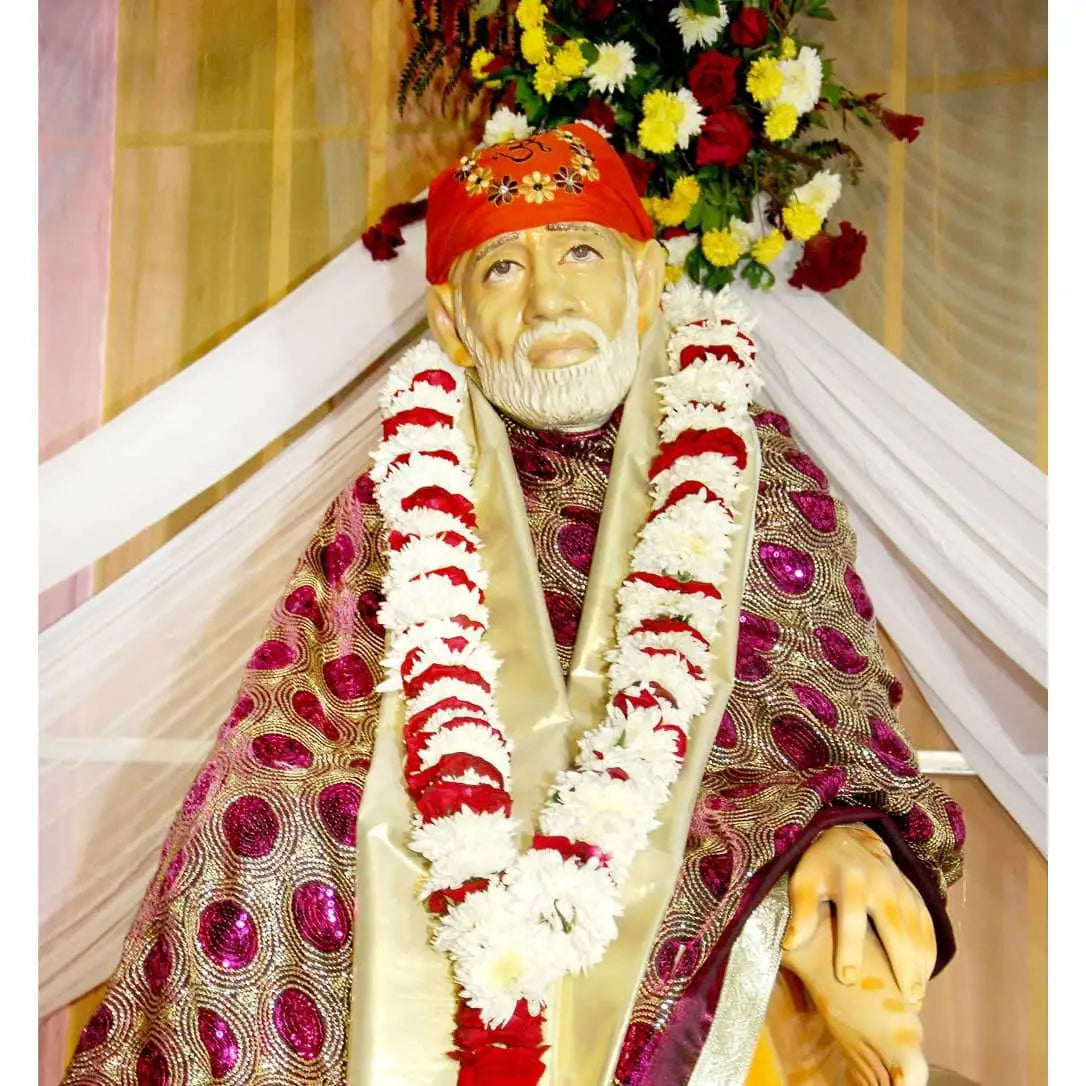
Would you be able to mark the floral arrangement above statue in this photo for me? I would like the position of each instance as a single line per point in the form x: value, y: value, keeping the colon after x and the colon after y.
x: 722, y: 112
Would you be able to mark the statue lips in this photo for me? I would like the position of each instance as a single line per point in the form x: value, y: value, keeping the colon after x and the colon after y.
x: 561, y: 350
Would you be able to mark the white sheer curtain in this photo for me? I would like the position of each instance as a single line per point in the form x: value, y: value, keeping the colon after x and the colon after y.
x: 135, y: 682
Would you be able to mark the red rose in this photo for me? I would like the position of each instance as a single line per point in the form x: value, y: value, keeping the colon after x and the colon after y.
x: 712, y: 80
x: 902, y: 126
x: 830, y: 262
x: 725, y: 139
x: 495, y: 1066
x: 599, y: 112
x: 640, y: 170
x: 523, y: 1030
x: 748, y: 29
x: 595, y: 11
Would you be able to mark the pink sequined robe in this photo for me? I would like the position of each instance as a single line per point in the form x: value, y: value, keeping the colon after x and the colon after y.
x: 237, y: 968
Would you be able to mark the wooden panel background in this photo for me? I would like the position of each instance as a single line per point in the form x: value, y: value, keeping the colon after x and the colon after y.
x: 256, y: 138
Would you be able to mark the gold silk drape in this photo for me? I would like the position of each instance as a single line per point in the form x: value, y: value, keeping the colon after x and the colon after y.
x: 256, y: 139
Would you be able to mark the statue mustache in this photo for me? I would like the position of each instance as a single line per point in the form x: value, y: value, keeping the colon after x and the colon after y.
x: 556, y: 329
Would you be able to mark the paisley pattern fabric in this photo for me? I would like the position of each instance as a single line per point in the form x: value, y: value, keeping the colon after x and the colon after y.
x: 237, y: 968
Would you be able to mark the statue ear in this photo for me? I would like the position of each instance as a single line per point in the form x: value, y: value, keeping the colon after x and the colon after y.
x: 440, y: 312
x: 649, y: 262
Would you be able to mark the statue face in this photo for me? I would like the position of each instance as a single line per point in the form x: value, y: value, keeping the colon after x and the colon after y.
x: 549, y: 318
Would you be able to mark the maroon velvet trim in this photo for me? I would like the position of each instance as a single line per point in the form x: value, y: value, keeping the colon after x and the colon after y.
x: 682, y: 1039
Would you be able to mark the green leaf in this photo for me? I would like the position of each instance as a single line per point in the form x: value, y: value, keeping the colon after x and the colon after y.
x: 702, y: 7
x: 484, y: 8
x: 590, y: 52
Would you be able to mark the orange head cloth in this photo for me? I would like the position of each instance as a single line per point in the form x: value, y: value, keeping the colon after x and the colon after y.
x: 569, y: 174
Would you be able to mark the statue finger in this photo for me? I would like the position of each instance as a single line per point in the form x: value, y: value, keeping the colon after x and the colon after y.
x: 805, y: 902
x: 851, y: 908
x: 898, y: 942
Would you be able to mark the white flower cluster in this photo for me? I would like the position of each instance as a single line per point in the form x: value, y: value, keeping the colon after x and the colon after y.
x: 698, y: 29
x: 544, y: 915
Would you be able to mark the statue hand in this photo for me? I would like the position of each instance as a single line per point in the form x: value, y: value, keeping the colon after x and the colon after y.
x: 851, y: 868
x: 869, y: 1034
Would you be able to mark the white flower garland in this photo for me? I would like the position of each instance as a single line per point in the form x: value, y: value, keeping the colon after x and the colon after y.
x: 516, y: 922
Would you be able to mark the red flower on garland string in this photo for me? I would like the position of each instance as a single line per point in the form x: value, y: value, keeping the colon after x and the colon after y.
x: 830, y: 262
x: 386, y: 235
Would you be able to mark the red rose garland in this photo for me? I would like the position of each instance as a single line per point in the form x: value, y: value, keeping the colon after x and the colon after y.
x: 515, y: 922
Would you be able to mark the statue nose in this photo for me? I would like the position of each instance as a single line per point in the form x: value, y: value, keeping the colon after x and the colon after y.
x: 549, y: 297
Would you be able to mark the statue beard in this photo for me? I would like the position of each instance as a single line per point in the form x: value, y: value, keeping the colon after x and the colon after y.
x: 580, y: 397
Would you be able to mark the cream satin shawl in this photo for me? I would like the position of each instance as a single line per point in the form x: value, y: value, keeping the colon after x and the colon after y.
x: 403, y: 1000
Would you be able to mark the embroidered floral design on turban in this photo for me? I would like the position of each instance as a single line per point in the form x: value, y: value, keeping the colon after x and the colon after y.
x: 569, y: 174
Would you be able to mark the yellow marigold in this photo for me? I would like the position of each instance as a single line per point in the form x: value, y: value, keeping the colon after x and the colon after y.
x: 672, y: 273
x: 479, y: 60
x: 669, y: 212
x: 547, y: 80
x: 657, y: 135
x: 788, y: 49
x: 570, y: 61
x: 764, y: 80
x: 802, y: 220
x: 664, y: 106
x: 720, y: 248
x: 781, y: 122
x: 533, y: 45
x: 686, y: 189
x: 767, y: 249
x: 530, y: 13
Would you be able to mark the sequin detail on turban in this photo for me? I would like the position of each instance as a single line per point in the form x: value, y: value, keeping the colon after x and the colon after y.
x: 569, y: 174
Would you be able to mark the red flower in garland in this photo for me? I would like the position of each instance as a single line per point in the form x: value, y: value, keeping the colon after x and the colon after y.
x: 493, y: 1065
x: 830, y: 262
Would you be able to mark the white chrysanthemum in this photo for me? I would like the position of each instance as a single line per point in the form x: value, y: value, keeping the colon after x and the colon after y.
x: 473, y: 739
x: 498, y: 958
x: 719, y: 473
x: 698, y: 29
x: 821, y: 192
x: 678, y: 249
x: 802, y: 81
x: 695, y: 650
x: 426, y: 599
x: 426, y: 355
x: 612, y: 67
x: 464, y: 846
x: 416, y: 439
x: 652, y: 769
x: 612, y: 814
x: 505, y: 125
x: 638, y: 729
x: 690, y: 538
x: 684, y: 302
x: 708, y: 381
x: 638, y: 602
x: 426, y: 553
x: 630, y: 666
x: 578, y: 901
x: 425, y: 521
x: 440, y: 689
x: 423, y: 634
x: 728, y: 309
x: 696, y: 416
x: 424, y: 395
x: 419, y: 472
x: 475, y: 655
x: 437, y: 720
x: 693, y: 120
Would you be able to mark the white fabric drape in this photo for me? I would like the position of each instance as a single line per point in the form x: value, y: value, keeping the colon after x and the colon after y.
x: 134, y: 684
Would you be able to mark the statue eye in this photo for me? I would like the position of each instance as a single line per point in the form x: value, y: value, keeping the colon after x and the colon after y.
x: 500, y: 269
x: 583, y: 254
